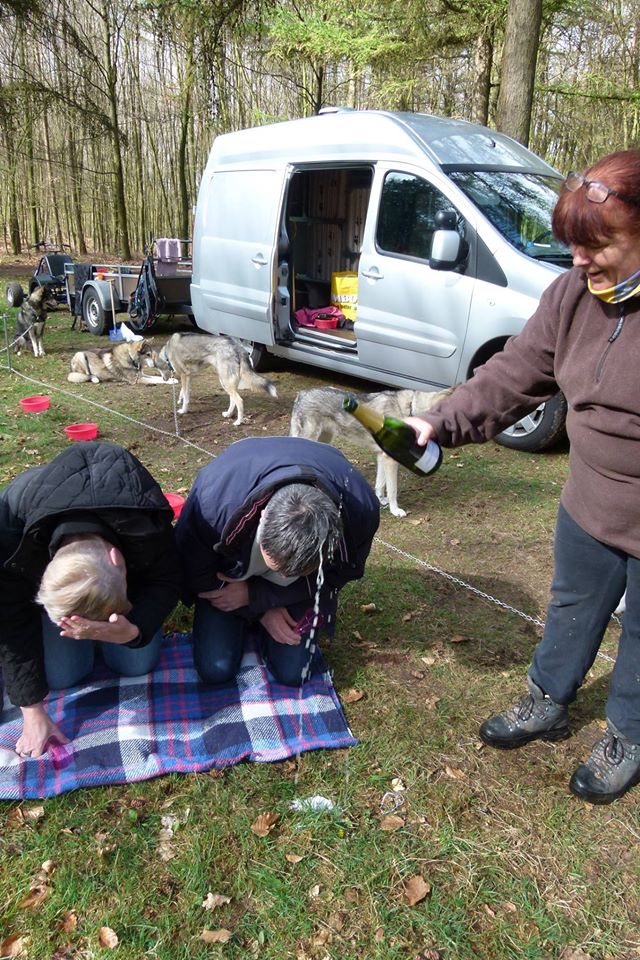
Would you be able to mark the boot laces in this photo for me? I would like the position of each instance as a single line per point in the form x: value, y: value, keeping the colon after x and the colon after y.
x: 607, y: 753
x: 524, y: 708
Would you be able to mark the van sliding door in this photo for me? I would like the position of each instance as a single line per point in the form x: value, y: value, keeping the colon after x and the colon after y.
x: 233, y: 290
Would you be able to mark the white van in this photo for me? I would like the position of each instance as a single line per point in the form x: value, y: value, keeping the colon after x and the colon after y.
x: 446, y: 224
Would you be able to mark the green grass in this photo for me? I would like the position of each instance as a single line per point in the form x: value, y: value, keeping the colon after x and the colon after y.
x: 518, y: 868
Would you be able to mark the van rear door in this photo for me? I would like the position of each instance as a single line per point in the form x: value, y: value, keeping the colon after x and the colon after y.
x: 235, y: 249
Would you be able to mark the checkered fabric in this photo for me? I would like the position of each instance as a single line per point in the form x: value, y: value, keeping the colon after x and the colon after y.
x: 127, y: 729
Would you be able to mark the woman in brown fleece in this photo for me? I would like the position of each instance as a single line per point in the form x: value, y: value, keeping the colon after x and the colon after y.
x: 584, y: 340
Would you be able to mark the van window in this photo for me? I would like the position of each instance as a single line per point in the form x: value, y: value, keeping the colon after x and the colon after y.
x: 408, y: 207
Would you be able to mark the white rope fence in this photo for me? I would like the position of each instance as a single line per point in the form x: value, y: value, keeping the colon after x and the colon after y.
x: 177, y: 436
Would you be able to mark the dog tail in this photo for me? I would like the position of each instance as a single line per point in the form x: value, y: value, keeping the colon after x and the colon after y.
x: 250, y: 380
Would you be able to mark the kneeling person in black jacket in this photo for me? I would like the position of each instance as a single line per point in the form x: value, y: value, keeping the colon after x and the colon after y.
x: 89, y: 538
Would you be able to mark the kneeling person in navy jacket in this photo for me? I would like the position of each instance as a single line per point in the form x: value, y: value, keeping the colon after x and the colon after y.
x: 272, y: 529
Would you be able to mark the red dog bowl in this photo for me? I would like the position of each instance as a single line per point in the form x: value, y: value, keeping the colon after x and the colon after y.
x: 35, y: 404
x: 82, y: 431
x: 177, y: 502
x: 327, y: 323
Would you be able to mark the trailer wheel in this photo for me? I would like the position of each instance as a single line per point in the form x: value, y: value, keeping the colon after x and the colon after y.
x: 94, y: 315
x: 15, y: 294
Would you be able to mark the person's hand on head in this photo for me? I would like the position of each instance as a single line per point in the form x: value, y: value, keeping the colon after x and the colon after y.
x: 117, y: 629
x: 38, y: 729
x: 280, y: 625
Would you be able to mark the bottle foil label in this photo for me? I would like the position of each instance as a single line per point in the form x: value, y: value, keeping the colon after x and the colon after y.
x: 429, y: 459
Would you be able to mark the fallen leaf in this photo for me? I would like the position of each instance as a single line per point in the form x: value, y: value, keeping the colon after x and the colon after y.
x: 264, y: 824
x: 321, y: 938
x: 216, y: 936
x: 455, y: 773
x: 431, y: 702
x: 428, y: 661
x: 356, y: 635
x: 107, y: 938
x: 415, y: 523
x: 455, y: 542
x: 487, y: 909
x: 397, y: 785
x: 314, y: 891
x: 509, y: 907
x: 407, y: 617
x: 69, y: 921
x: 293, y: 857
x: 417, y: 675
x: 48, y: 867
x: 351, y: 894
x: 34, y: 813
x: 351, y: 695
x: 458, y: 638
x: 416, y: 889
x: 368, y: 607
x: 13, y: 946
x: 34, y: 898
x: 166, y: 851
x: 391, y: 823
x: 379, y: 935
x: 574, y: 953
x: 213, y: 900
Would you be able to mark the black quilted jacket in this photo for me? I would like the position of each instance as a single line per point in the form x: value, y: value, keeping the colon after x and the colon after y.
x: 89, y: 487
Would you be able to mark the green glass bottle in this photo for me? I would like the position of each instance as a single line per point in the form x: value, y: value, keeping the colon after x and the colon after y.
x: 396, y: 438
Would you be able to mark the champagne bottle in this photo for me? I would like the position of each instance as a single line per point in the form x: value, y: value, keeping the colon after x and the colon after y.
x: 396, y: 438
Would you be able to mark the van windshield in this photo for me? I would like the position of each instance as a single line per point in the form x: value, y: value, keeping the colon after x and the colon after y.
x: 519, y: 205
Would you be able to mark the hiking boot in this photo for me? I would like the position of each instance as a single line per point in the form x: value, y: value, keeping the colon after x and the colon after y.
x: 535, y: 717
x: 612, y: 768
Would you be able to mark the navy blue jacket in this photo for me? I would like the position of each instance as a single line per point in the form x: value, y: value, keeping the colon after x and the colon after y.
x: 88, y: 488
x: 219, y: 520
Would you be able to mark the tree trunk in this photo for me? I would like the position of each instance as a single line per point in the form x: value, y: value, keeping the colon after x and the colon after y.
x: 482, y: 63
x: 518, y: 68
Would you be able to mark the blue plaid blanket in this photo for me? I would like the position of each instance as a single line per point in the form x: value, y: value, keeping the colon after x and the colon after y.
x: 126, y: 729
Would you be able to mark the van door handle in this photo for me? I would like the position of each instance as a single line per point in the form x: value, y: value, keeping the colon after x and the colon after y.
x: 373, y: 274
x: 259, y: 260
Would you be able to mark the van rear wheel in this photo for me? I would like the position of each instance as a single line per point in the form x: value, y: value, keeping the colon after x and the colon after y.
x: 258, y: 355
x: 539, y: 430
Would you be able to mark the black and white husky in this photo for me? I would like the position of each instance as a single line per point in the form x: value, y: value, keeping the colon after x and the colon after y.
x: 30, y: 322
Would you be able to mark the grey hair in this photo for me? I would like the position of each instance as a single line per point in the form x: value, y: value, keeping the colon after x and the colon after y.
x: 81, y: 579
x: 300, y: 525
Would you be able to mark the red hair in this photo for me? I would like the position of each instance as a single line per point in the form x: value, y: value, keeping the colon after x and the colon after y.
x: 579, y: 221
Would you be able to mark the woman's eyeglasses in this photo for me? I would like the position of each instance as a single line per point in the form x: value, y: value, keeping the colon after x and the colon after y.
x: 597, y: 191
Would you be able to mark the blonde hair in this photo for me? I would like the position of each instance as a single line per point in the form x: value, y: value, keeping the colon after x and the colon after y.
x: 81, y: 579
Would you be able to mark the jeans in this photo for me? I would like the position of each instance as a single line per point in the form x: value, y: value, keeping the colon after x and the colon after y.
x: 589, y: 579
x: 218, y: 645
x: 67, y: 661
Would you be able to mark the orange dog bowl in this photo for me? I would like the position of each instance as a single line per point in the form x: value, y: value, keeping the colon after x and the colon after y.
x: 177, y: 502
x: 329, y: 323
x: 82, y: 431
x: 35, y: 404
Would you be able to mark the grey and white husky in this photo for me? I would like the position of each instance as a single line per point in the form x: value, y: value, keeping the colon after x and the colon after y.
x: 189, y: 354
x: 318, y: 415
x: 30, y: 321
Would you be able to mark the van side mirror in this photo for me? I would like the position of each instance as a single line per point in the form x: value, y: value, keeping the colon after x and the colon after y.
x: 447, y: 250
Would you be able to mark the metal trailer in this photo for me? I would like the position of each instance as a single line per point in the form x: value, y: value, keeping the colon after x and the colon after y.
x: 97, y: 292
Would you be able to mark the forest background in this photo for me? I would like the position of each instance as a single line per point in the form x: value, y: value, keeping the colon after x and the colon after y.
x: 108, y: 108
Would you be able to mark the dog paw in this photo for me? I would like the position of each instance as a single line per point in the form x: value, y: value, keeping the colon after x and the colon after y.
x: 171, y: 380
x: 95, y: 380
x: 397, y: 512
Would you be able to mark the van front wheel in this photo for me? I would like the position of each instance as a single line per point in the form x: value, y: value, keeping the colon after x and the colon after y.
x: 258, y: 355
x: 540, y: 430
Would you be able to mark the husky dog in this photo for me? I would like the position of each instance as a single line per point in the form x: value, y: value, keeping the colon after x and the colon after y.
x: 188, y: 354
x: 318, y: 415
x: 123, y: 362
x: 30, y: 321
